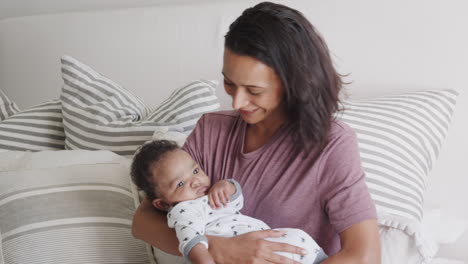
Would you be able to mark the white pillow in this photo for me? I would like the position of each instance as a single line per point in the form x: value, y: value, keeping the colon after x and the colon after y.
x: 100, y: 114
x: 166, y: 258
x: 37, y: 128
x: 399, y: 139
x: 67, y: 207
x: 171, y: 133
x: 398, y: 247
x: 405, y: 239
x: 7, y: 107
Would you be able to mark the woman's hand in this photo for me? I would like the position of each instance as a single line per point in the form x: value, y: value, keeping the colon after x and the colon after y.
x: 251, y: 248
x: 220, y: 193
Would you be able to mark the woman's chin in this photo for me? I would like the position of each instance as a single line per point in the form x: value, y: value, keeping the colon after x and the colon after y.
x: 250, y: 119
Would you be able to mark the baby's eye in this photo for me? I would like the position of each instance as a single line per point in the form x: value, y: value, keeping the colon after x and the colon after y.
x: 180, y: 184
x: 195, y: 171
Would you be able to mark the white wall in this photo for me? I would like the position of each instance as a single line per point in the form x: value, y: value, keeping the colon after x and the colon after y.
x: 143, y: 49
x: 384, y: 46
x: 17, y: 8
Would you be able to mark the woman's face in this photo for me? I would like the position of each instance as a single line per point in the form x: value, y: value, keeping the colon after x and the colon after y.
x: 256, y: 90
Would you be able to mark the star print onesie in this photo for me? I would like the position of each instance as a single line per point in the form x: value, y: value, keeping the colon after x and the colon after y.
x: 195, y: 218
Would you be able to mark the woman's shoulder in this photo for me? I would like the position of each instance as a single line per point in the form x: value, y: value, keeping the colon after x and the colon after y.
x: 342, y: 142
x: 339, y: 129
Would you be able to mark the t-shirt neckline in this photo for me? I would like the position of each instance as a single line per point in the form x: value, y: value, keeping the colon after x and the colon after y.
x: 261, y: 149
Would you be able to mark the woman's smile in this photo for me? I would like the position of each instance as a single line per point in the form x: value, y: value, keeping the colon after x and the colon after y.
x: 248, y: 112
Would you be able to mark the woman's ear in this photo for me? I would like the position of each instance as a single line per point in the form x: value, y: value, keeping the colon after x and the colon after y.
x: 160, y: 204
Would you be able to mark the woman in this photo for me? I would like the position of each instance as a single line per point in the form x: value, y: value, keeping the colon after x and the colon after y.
x: 298, y: 166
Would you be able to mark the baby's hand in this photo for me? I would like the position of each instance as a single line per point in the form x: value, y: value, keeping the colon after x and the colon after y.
x: 220, y: 194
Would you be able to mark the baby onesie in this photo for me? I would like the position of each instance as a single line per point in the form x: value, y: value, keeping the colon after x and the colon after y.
x: 195, y: 218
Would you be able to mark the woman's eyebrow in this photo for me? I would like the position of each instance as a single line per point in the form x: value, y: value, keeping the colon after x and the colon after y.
x: 254, y: 86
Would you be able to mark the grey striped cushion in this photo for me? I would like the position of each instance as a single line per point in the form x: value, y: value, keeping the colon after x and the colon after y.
x: 399, y: 139
x: 37, y: 128
x: 75, y: 213
x: 7, y: 107
x: 100, y: 114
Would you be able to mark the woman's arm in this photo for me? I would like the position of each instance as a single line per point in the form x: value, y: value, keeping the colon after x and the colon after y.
x: 151, y: 226
x: 360, y: 244
x: 251, y: 248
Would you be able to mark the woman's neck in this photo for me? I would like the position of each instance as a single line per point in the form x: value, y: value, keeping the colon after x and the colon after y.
x: 259, y: 134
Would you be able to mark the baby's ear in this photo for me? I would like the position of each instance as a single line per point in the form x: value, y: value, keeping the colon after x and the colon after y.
x: 160, y: 204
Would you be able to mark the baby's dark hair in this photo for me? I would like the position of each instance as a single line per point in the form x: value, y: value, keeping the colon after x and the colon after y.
x: 145, y: 158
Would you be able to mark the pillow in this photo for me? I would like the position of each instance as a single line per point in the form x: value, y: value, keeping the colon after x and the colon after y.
x: 399, y: 247
x: 166, y: 258
x: 100, y: 114
x: 7, y: 107
x: 170, y: 134
x: 399, y: 138
x: 37, y: 128
x: 68, y: 207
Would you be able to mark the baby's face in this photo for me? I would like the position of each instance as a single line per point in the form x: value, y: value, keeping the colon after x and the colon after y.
x: 180, y: 178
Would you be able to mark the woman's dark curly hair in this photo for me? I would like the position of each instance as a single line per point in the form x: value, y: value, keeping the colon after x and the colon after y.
x: 144, y: 160
x: 285, y: 40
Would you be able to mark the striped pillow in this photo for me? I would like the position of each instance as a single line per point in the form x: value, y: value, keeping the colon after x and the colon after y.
x: 399, y: 139
x: 68, y: 208
x: 37, y: 128
x: 100, y: 114
x: 7, y: 107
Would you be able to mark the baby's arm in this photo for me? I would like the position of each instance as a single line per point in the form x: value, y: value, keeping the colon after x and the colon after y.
x: 222, y: 192
x: 200, y: 255
x: 189, y: 220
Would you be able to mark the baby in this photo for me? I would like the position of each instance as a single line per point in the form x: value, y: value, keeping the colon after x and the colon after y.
x: 175, y: 183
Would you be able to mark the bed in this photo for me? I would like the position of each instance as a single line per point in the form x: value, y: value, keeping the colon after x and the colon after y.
x: 80, y: 91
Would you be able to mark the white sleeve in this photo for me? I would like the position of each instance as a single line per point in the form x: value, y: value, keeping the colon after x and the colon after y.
x: 237, y: 199
x: 189, y: 220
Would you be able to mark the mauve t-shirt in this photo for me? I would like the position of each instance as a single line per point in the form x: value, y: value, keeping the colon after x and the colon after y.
x: 283, y: 187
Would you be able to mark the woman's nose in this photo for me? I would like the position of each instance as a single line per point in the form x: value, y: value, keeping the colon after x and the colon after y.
x: 239, y: 99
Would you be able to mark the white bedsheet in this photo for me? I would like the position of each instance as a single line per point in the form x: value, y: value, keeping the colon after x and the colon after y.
x: 447, y: 261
